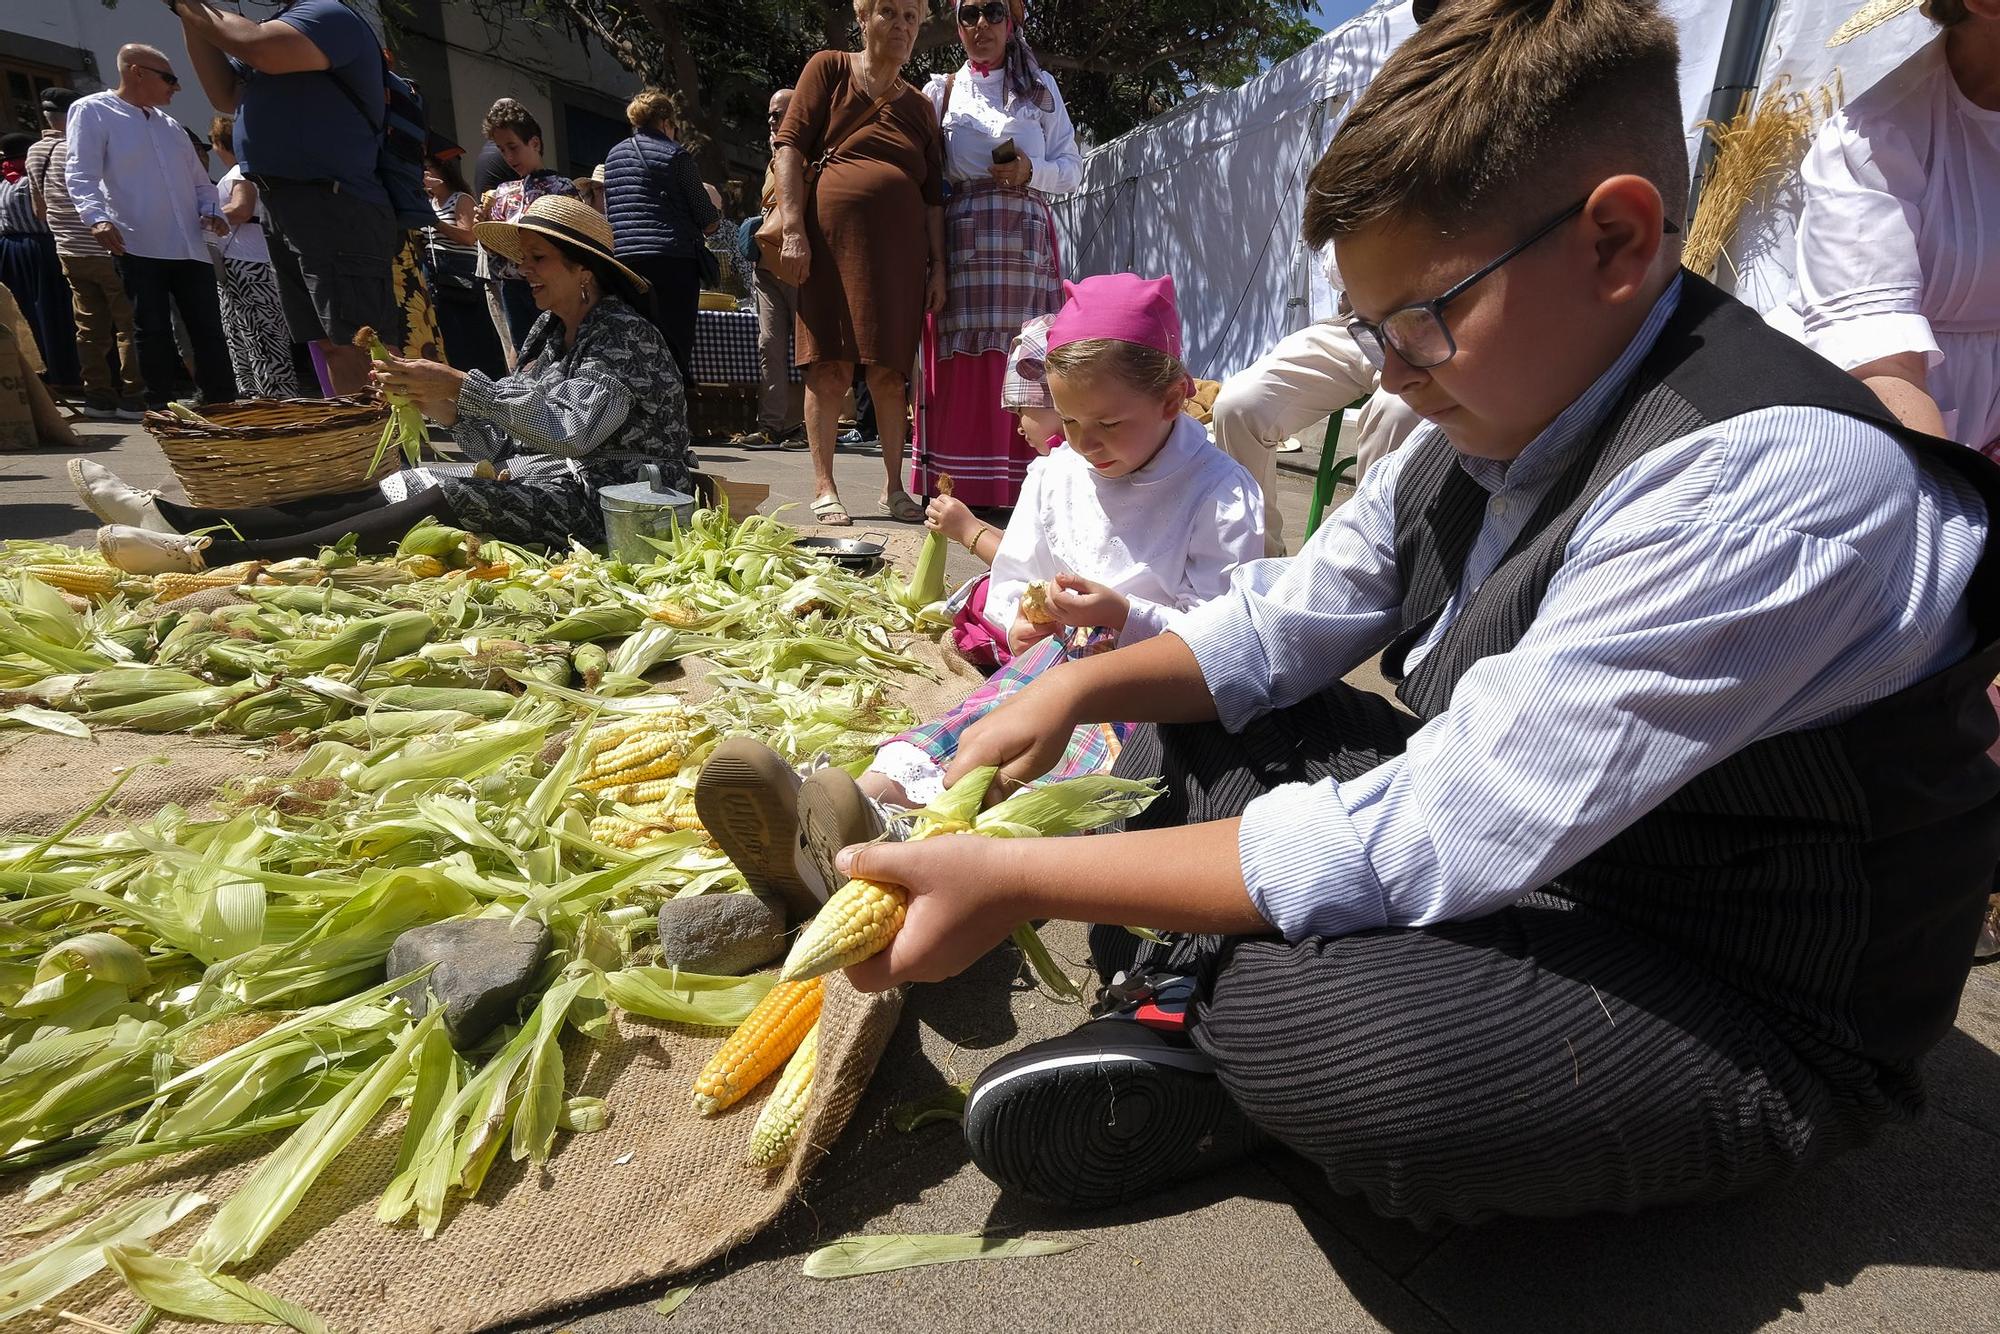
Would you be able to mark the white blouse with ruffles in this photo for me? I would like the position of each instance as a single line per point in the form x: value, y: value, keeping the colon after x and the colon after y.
x: 983, y: 114
x: 1899, y: 238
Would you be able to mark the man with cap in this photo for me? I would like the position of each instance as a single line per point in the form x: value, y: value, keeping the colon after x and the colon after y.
x: 103, y: 314
x: 307, y: 89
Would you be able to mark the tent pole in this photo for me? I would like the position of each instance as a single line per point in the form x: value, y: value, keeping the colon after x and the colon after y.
x: 1743, y: 45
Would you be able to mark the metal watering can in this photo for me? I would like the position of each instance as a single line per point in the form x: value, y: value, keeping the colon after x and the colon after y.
x: 639, y: 510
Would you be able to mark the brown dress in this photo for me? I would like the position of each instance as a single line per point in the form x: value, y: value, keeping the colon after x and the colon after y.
x: 864, y: 298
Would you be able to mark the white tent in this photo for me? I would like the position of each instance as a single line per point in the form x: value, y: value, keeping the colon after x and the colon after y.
x: 1212, y: 192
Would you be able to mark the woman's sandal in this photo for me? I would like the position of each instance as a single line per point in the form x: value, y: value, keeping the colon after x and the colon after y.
x: 829, y: 511
x: 902, y: 507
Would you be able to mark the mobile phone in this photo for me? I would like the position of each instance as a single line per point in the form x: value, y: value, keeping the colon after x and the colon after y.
x: 1005, y: 151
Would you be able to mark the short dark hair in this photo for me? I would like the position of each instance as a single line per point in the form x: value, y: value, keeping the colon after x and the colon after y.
x: 1494, y: 108
x: 507, y: 114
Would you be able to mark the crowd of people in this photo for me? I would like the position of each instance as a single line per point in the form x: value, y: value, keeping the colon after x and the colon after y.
x: 1669, y: 869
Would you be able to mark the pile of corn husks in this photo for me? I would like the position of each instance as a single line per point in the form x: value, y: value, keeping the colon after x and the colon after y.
x: 188, y: 982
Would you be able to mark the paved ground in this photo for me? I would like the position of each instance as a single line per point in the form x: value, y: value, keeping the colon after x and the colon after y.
x: 1902, y: 1236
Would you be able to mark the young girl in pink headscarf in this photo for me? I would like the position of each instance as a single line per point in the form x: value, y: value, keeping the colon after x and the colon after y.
x: 1137, y: 519
x: 1134, y: 521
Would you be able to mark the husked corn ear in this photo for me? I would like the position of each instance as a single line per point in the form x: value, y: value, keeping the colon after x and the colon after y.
x: 90, y: 581
x: 679, y: 615
x: 639, y: 759
x: 760, y: 1044
x: 172, y: 587
x: 649, y: 792
x: 1035, y: 603
x: 857, y: 922
x: 784, y: 1112
x: 421, y: 567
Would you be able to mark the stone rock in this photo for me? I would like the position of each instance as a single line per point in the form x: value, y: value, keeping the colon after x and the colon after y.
x: 722, y: 934
x: 484, y: 966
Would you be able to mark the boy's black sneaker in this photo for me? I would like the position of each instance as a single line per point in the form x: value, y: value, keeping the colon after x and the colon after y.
x: 1113, y: 1111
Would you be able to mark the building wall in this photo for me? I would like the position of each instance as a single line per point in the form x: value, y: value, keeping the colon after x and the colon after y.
x: 577, y: 91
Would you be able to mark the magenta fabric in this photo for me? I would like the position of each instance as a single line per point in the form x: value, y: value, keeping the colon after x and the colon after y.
x: 1123, y: 306
x: 966, y: 433
x: 982, y: 643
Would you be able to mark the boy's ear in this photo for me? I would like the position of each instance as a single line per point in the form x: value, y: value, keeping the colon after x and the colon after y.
x: 1628, y: 224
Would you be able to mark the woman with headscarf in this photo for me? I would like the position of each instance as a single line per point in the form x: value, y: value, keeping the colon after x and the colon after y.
x: 864, y: 235
x: 1008, y: 145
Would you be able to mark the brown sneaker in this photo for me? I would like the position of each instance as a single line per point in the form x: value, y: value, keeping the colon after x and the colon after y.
x: 834, y: 813
x: 748, y: 801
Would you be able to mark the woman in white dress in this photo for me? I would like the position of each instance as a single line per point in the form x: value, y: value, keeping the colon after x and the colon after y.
x: 1899, y: 238
x: 260, y: 342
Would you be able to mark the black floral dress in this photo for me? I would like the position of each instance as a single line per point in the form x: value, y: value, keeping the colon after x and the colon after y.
x: 568, y: 421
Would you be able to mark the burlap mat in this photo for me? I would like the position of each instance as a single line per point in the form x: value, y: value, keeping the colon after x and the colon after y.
x: 658, y: 1192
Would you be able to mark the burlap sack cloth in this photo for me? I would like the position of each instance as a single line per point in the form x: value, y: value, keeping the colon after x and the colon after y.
x: 660, y: 1191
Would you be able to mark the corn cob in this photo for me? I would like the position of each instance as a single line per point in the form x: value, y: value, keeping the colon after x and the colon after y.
x: 640, y: 758
x: 677, y: 614
x: 851, y: 926
x: 648, y: 793
x: 760, y: 1044
x: 1035, y: 604
x: 784, y: 1112
x: 97, y: 582
x: 625, y: 831
x: 421, y: 567
x: 174, y: 586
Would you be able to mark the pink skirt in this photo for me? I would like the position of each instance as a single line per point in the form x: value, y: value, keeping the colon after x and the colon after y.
x: 966, y: 433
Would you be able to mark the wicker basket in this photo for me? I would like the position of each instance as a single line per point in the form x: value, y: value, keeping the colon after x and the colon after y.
x: 262, y: 451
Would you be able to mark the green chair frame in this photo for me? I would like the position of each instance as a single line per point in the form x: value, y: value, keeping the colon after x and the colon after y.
x: 1331, y: 473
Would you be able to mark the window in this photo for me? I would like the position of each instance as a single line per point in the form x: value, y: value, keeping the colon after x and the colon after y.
x: 21, y: 85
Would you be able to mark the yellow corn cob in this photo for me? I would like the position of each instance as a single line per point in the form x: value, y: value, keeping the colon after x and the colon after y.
x: 784, y: 1112
x: 760, y: 1044
x: 647, y: 793
x: 97, y: 582
x: 676, y: 614
x: 175, y: 586
x: 422, y: 567
x: 855, y: 923
x: 656, y: 755
x: 612, y: 735
x: 618, y: 832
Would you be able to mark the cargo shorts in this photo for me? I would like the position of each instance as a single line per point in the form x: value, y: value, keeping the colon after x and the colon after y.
x: 334, y: 253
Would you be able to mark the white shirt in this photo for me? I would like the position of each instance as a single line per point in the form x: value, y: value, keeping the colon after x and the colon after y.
x: 983, y: 113
x: 246, y: 241
x: 1166, y: 536
x: 133, y: 166
x: 1899, y: 238
x: 1772, y: 572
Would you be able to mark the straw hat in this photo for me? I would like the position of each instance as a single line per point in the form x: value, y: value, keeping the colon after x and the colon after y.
x: 560, y: 217
x: 1868, y: 18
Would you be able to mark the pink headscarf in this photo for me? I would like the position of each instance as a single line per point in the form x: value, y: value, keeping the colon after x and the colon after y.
x: 1122, y: 306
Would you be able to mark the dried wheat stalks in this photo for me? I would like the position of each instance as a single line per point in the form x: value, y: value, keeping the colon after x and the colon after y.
x: 1760, y: 145
x: 1868, y: 18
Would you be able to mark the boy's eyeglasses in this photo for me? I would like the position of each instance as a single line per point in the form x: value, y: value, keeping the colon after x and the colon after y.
x: 1418, y: 332
x: 992, y: 11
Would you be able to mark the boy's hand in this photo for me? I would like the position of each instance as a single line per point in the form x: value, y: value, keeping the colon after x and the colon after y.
x: 1024, y: 737
x: 955, y: 913
x: 950, y: 517
x: 1080, y: 602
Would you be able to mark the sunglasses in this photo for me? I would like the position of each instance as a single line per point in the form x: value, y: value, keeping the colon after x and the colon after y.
x: 1418, y: 334
x: 172, y: 79
x: 992, y: 11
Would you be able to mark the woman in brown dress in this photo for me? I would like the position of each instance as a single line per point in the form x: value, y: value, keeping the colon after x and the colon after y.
x: 869, y: 233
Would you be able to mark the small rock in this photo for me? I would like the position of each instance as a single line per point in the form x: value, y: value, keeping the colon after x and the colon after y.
x: 484, y: 966
x: 721, y: 934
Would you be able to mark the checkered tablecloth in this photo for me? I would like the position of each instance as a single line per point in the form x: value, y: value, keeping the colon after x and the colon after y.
x: 725, y: 348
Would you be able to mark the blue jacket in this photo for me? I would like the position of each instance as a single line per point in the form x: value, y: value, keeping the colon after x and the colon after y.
x: 654, y: 198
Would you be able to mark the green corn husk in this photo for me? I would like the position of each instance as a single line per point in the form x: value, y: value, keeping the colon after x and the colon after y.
x: 431, y: 538
x: 591, y: 662
x: 171, y: 713
x: 400, y: 633
x: 604, y: 620
x: 32, y: 1280
x: 369, y: 728
x: 324, y: 600
x: 405, y: 427
x: 455, y: 699
x: 176, y: 1286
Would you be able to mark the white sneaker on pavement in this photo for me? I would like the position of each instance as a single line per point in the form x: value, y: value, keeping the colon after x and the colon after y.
x: 112, y: 499
x: 142, y: 551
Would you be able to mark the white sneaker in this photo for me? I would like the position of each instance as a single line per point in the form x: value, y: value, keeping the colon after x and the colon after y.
x: 108, y: 496
x: 141, y: 551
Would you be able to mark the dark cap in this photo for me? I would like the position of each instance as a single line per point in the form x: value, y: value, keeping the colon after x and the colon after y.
x: 1421, y: 10
x: 59, y: 100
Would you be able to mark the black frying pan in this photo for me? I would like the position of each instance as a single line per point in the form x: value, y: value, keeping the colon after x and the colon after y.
x: 852, y: 552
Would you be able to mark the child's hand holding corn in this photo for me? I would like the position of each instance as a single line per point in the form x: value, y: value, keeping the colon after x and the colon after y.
x: 1079, y: 602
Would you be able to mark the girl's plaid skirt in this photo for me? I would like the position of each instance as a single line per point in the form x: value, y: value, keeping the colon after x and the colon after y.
x: 1003, y: 267
x: 1092, y: 747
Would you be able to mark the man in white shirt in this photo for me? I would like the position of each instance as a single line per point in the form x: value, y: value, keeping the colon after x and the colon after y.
x: 138, y: 186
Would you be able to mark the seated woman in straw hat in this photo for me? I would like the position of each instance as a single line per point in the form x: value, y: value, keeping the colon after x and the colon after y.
x: 596, y: 397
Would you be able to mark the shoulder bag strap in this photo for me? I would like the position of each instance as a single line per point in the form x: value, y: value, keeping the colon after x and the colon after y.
x: 835, y: 145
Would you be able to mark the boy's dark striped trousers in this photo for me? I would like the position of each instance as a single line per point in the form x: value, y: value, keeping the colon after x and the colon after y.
x: 1538, y: 1061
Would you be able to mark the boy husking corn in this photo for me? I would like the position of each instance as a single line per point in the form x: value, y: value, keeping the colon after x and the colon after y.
x: 1670, y: 875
